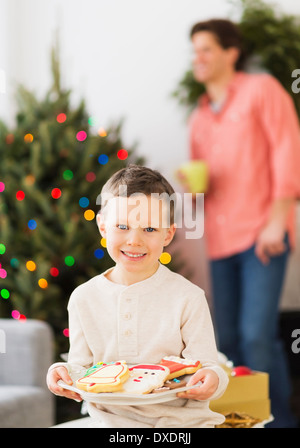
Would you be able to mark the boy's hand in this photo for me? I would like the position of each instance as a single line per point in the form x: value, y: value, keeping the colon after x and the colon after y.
x: 61, y: 373
x: 210, y: 382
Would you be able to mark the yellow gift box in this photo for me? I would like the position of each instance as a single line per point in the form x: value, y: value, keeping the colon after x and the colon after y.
x: 246, y: 394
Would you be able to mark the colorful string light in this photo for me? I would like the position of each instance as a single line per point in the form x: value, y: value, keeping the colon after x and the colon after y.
x: 165, y: 258
x: 99, y: 253
x: 84, y: 202
x: 14, y: 263
x: 28, y: 138
x: 15, y: 314
x: 30, y: 179
x: 9, y: 139
x: 3, y: 273
x: 20, y: 195
x: 32, y: 224
x: 102, y: 132
x: 81, y: 136
x: 69, y: 260
x: 122, y: 154
x: 61, y: 118
x: 2, y: 187
x: 56, y: 193
x: 30, y: 265
x: 68, y: 174
x: 4, y: 293
x: 92, y: 121
x: 103, y: 159
x: 89, y: 215
x: 43, y: 284
x: 90, y: 176
x: 54, y: 272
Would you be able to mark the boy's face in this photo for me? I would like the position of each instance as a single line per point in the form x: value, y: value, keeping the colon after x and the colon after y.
x: 136, y: 231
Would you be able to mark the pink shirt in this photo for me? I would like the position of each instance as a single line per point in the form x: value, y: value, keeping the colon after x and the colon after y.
x: 252, y: 148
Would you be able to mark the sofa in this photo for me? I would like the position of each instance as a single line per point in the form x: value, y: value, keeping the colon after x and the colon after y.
x: 26, y: 352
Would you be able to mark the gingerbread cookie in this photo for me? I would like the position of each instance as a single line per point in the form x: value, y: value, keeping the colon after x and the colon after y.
x: 170, y: 385
x: 175, y: 384
x: 104, y: 377
x: 143, y: 378
x: 180, y: 366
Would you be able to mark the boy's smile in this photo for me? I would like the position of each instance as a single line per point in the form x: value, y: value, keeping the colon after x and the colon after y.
x: 136, y: 231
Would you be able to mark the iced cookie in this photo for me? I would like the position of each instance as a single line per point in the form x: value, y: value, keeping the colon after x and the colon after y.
x: 143, y: 378
x: 179, y: 366
x: 104, y: 377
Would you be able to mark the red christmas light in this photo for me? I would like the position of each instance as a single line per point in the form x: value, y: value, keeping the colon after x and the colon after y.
x: 54, y: 272
x: 122, y: 154
x: 56, y: 193
x: 20, y: 195
x: 61, y: 118
x: 90, y: 177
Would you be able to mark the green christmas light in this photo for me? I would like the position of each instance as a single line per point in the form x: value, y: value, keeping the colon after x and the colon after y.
x: 69, y: 260
x: 2, y: 249
x: 68, y: 175
x: 4, y: 293
x: 92, y: 121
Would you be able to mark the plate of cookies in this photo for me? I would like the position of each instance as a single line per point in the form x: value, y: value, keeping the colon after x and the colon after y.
x: 118, y: 383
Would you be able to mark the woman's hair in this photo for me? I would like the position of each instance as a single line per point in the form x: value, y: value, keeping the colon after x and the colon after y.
x: 136, y: 179
x: 227, y: 33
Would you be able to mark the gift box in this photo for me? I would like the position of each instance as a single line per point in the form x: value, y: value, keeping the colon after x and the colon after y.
x: 247, y: 394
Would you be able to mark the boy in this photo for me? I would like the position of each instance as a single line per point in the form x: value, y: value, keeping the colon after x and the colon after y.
x: 139, y: 310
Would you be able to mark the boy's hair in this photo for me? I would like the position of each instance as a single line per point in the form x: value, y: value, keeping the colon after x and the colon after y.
x: 227, y: 33
x: 136, y: 179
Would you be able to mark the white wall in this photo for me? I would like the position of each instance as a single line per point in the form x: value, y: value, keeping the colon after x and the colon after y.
x: 124, y: 57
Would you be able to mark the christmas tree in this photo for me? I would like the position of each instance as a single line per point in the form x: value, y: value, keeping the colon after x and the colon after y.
x: 53, y: 165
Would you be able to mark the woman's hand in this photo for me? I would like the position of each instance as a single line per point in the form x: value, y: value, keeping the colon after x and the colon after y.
x: 209, y: 380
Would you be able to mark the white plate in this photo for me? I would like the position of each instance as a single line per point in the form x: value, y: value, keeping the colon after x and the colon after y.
x: 120, y: 398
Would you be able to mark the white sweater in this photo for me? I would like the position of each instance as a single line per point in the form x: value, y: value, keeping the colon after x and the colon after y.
x: 141, y: 323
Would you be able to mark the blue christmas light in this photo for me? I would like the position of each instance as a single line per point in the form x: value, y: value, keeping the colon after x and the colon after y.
x: 32, y: 224
x: 83, y: 202
x: 99, y: 253
x: 103, y: 159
